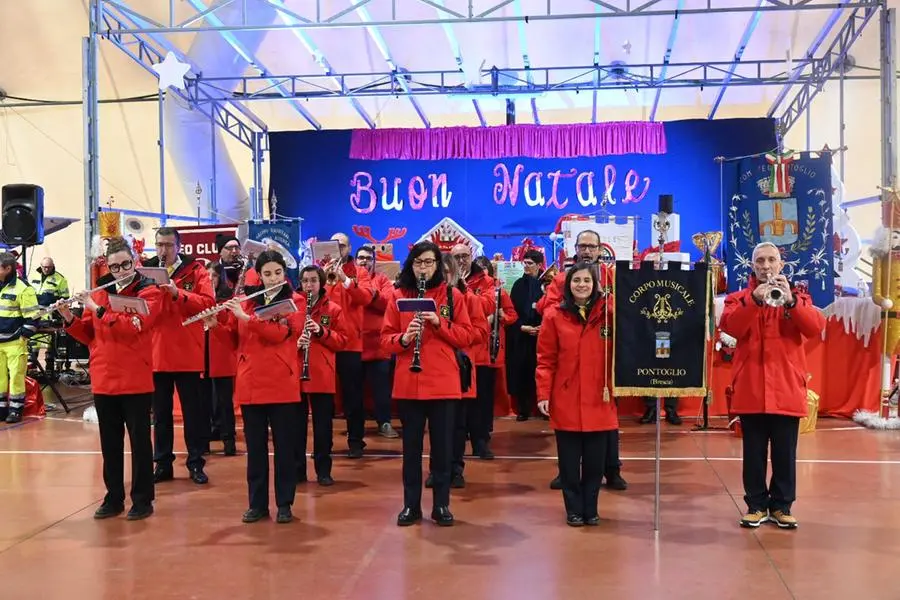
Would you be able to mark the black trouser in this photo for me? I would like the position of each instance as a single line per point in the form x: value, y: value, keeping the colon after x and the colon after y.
x: 116, y: 414
x: 350, y: 374
x: 613, y: 463
x: 480, y: 412
x: 526, y: 400
x: 323, y: 433
x: 670, y: 404
x: 284, y: 420
x: 218, y: 406
x: 458, y: 435
x: 582, y: 456
x: 192, y: 413
x: 781, y: 432
x: 378, y: 374
x: 439, y: 414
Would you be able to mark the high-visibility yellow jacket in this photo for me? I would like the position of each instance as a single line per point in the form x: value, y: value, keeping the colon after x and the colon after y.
x: 49, y: 288
x: 18, y: 307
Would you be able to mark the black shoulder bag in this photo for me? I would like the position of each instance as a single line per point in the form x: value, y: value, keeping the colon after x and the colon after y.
x: 462, y: 359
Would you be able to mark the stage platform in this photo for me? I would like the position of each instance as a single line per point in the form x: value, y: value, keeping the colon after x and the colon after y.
x: 510, y: 540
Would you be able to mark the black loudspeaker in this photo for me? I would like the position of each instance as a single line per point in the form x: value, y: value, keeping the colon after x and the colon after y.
x: 23, y: 214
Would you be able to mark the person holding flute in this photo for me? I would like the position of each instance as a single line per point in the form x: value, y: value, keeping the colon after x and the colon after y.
x: 323, y: 336
x: 427, y: 379
x: 267, y: 387
x: 122, y: 377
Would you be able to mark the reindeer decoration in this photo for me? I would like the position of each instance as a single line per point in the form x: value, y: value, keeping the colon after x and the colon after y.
x: 384, y: 250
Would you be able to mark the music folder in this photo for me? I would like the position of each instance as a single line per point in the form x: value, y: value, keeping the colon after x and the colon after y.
x: 157, y: 274
x: 128, y: 304
x: 274, y: 311
x: 416, y: 305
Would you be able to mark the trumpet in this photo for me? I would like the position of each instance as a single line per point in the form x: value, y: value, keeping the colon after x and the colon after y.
x: 46, y: 310
x: 209, y: 312
x: 774, y: 295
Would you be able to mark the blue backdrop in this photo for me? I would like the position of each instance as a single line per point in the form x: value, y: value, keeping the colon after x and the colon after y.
x: 314, y: 178
x: 798, y: 221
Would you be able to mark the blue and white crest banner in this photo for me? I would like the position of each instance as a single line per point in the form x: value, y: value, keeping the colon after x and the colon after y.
x: 784, y: 199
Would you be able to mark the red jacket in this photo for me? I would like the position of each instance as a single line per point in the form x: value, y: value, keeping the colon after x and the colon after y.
x: 769, y: 371
x: 221, y: 347
x: 352, y: 299
x: 439, y: 378
x: 570, y: 370
x: 477, y: 351
x: 373, y: 318
x: 121, y: 355
x: 510, y: 316
x: 321, y: 351
x: 268, y: 371
x: 177, y: 348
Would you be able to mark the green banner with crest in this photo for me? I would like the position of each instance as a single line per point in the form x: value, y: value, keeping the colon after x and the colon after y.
x: 660, y: 332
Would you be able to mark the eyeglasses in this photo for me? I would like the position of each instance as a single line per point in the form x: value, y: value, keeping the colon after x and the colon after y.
x: 424, y: 262
x: 528, y: 263
x: 587, y: 246
x: 462, y: 257
x: 232, y: 248
x: 122, y: 266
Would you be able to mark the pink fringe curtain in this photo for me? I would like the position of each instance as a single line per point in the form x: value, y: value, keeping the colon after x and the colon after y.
x: 529, y: 141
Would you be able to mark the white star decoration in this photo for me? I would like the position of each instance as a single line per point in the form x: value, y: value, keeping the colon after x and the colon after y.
x: 171, y: 72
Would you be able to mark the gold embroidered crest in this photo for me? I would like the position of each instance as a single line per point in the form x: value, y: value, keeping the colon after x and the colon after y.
x: 188, y: 286
x: 605, y: 331
x: 445, y: 311
x: 325, y: 320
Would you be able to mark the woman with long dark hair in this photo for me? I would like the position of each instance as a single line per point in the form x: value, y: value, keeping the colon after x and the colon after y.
x: 268, y: 388
x: 573, y: 388
x: 122, y: 378
x: 220, y: 365
x: 428, y: 395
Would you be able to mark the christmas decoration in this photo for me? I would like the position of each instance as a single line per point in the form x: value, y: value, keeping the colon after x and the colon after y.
x: 171, y: 72
x: 384, y: 250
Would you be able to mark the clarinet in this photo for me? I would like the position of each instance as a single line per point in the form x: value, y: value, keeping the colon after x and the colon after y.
x: 304, y: 376
x: 416, y: 366
x: 495, y: 328
x: 239, y: 286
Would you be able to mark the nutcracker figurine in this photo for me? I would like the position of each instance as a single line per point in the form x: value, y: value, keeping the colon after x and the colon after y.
x: 886, y: 290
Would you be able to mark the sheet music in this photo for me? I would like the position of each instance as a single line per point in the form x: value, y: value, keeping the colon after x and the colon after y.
x: 128, y: 304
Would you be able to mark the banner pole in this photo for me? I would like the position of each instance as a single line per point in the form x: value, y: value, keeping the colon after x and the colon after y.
x: 658, y: 459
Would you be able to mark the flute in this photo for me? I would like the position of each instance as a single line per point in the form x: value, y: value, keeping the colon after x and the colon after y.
x: 220, y: 307
x: 45, y: 310
x: 304, y: 375
x: 416, y: 366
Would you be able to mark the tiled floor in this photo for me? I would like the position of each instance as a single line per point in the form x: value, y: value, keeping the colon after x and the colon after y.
x: 510, y: 540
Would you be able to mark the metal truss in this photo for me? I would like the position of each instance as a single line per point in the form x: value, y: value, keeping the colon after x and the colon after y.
x: 317, y: 15
x: 823, y: 69
x: 543, y: 80
x: 230, y: 116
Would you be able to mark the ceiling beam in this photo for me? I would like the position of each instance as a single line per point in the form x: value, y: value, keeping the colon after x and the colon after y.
x: 526, y: 60
x: 318, y: 16
x: 596, y: 64
x: 817, y: 41
x: 398, y: 75
x: 248, y: 56
x: 457, y: 54
x: 289, y: 18
x: 742, y: 45
x: 673, y: 32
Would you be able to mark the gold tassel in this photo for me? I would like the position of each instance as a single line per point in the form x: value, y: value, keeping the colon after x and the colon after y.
x: 606, y: 395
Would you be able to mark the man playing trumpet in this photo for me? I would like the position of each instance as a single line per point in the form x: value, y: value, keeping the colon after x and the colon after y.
x: 770, y: 382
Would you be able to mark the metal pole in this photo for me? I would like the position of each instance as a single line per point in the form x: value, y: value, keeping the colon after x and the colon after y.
x: 162, y: 158
x: 90, y: 116
x: 256, y: 203
x: 808, y: 126
x: 888, y: 101
x: 212, y: 203
x: 843, y: 125
x: 657, y: 465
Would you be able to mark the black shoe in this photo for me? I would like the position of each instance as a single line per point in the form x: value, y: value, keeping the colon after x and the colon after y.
x: 14, y: 416
x: 429, y: 481
x: 409, y: 516
x: 485, y: 453
x: 521, y: 418
x: 649, y: 416
x: 138, y: 513
x: 163, y: 473
x: 107, y: 511
x: 615, y: 482
x: 4, y: 412
x: 255, y: 514
x: 592, y: 521
x: 355, y: 452
x: 574, y: 520
x: 326, y: 480
x: 673, y: 418
x: 198, y: 476
x: 230, y: 448
x: 442, y: 516
x: 556, y: 484
x: 284, y: 515
x: 458, y: 481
